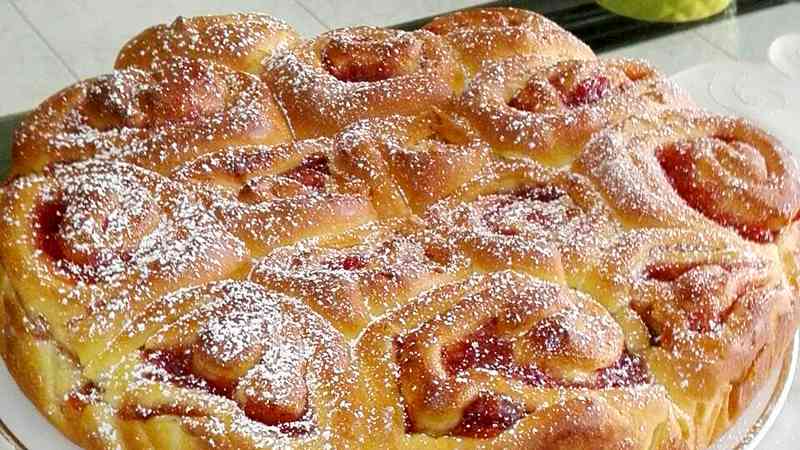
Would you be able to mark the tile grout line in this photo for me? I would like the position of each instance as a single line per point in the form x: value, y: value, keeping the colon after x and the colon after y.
x: 312, y: 14
x: 44, y: 40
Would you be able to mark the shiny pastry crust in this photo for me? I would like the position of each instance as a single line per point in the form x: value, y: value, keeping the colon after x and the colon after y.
x: 533, y: 107
x: 157, y: 119
x: 396, y: 281
x: 519, y: 216
x: 349, y: 74
x: 493, y: 34
x: 403, y: 164
x: 263, y: 172
x: 252, y: 368
x: 271, y: 196
x: 239, y: 41
x: 291, y: 375
x: 406, y: 163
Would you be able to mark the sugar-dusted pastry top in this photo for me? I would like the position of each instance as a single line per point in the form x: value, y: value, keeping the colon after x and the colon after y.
x: 345, y: 75
x: 177, y: 111
x: 474, y: 235
x: 239, y: 41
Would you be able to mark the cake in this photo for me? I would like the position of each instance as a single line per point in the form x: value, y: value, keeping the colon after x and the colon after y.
x: 474, y: 235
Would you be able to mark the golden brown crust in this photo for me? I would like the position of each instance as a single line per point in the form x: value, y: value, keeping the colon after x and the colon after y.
x: 157, y: 119
x: 271, y: 196
x: 688, y: 168
x: 406, y: 163
x: 88, y: 240
x: 239, y: 41
x: 413, y: 275
x: 520, y: 216
x: 349, y: 74
x: 134, y: 405
x: 493, y: 34
x: 402, y: 164
x: 453, y: 365
x: 708, y: 314
x: 354, y: 278
x: 534, y: 107
x: 248, y: 365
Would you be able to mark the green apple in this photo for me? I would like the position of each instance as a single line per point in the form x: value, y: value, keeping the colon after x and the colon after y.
x: 665, y: 10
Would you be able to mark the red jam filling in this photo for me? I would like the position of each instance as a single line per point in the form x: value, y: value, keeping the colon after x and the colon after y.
x: 79, y: 399
x: 312, y: 172
x: 588, y: 91
x: 177, y: 365
x: 47, y: 218
x: 679, y: 169
x: 353, y: 262
x: 545, y: 194
x: 489, y: 415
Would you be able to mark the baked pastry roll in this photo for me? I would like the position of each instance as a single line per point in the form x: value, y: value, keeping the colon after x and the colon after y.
x: 263, y: 172
x: 350, y: 74
x: 534, y: 107
x: 493, y: 34
x: 523, y: 217
x: 401, y: 164
x: 227, y: 365
x: 406, y: 163
x: 157, y: 119
x: 355, y: 277
x: 270, y: 196
x: 708, y: 315
x: 682, y: 168
x: 239, y: 41
x: 504, y: 360
x: 89, y: 245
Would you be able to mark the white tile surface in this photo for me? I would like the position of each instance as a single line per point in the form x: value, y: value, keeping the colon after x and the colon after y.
x: 88, y: 33
x: 748, y: 36
x: 674, y: 52
x: 341, y: 13
x: 31, y: 71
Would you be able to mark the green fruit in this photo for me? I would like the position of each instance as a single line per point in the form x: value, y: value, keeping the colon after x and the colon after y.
x: 666, y: 10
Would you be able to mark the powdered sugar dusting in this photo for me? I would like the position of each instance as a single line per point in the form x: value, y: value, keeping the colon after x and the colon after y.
x: 240, y: 41
x: 157, y: 119
x: 419, y: 72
